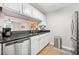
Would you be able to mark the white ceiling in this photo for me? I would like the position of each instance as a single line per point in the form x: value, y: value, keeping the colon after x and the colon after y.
x: 49, y: 7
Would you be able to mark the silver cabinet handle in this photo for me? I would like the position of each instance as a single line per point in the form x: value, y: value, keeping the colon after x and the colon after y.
x: 72, y: 27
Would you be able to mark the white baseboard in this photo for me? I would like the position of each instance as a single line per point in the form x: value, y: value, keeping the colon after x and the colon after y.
x: 68, y: 48
x: 65, y: 47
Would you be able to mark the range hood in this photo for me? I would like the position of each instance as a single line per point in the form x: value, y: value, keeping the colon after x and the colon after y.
x: 8, y: 12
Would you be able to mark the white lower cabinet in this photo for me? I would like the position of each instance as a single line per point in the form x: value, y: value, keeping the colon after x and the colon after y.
x: 26, y: 47
x: 42, y: 44
x: 8, y: 49
x: 35, y: 45
x: 42, y: 17
x: 44, y: 40
x: 39, y: 42
x: 20, y: 47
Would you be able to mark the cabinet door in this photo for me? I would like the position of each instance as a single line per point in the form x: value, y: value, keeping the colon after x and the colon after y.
x: 18, y: 48
x: 42, y: 41
x: 43, y: 19
x: 40, y: 16
x: 27, y: 9
x: 17, y: 7
x: 36, y: 13
x: 26, y: 47
x: 45, y: 39
x: 22, y: 48
x: 42, y: 44
x: 9, y: 49
x: 49, y: 37
x: 34, y: 45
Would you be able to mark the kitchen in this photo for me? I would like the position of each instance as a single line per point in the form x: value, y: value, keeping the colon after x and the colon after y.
x: 36, y: 28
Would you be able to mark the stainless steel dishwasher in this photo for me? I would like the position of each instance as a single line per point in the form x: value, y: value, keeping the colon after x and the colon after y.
x: 17, y: 47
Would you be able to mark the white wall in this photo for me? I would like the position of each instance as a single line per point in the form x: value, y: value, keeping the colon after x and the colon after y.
x: 59, y: 22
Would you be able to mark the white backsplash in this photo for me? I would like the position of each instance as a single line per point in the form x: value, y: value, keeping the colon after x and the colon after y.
x: 17, y: 24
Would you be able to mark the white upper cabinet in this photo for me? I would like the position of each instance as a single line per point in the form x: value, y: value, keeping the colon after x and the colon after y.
x: 40, y: 16
x: 16, y: 7
x: 36, y: 13
x: 27, y: 9
x: 43, y: 19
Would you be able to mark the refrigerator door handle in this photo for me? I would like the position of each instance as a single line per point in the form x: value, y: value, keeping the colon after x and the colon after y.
x: 73, y: 38
x: 72, y: 27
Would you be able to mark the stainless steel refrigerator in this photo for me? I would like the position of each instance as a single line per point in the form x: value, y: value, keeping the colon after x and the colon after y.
x: 75, y: 32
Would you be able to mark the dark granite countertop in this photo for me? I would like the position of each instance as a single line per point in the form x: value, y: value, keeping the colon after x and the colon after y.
x: 19, y: 35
